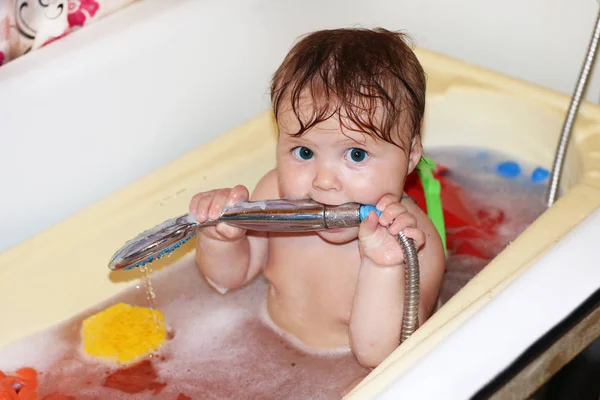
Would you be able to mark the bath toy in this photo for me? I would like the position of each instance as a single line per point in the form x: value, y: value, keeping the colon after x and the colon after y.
x: 22, y: 385
x: 461, y: 225
x: 278, y: 215
x: 509, y: 169
x: 136, y: 378
x: 539, y: 174
x: 432, y: 192
x: 123, y: 333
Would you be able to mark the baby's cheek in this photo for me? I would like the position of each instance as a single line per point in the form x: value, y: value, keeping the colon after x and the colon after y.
x: 372, y: 187
x: 293, y: 183
x: 292, y: 193
x: 365, y: 190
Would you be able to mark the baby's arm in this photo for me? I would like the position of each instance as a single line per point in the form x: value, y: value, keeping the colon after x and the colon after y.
x: 375, y: 323
x: 227, y: 256
x: 432, y: 262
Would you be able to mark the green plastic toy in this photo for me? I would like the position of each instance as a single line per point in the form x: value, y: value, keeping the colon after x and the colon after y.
x: 432, y: 190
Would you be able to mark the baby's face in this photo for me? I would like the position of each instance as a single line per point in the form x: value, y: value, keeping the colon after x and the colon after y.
x: 332, y: 167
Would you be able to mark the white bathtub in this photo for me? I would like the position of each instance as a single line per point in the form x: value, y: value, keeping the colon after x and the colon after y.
x: 143, y: 106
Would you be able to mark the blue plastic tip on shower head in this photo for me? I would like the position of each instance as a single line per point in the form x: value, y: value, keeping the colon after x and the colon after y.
x: 164, y: 252
x: 365, y: 209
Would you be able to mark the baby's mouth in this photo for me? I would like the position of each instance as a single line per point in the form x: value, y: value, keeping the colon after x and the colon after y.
x: 329, y: 204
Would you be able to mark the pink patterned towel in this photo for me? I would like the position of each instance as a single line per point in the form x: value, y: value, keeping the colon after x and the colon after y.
x: 27, y: 25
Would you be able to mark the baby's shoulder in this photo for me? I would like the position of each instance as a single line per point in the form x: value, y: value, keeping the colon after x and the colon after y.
x: 267, y: 187
x: 423, y: 220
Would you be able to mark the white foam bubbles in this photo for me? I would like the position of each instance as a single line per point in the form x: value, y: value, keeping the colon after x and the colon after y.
x: 264, y: 315
x: 38, y: 350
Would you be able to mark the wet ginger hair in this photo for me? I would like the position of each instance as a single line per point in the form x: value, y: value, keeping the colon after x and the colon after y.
x: 371, y: 78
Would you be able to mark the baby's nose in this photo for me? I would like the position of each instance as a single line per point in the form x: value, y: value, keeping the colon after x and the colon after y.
x: 326, y: 179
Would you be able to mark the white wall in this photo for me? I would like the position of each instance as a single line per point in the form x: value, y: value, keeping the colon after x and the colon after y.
x: 92, y: 112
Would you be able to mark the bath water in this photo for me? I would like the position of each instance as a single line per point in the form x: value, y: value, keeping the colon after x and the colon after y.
x: 224, y: 346
x: 220, y: 347
x: 150, y: 294
x: 503, y: 200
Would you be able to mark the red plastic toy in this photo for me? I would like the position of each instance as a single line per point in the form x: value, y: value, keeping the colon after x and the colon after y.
x: 465, y: 224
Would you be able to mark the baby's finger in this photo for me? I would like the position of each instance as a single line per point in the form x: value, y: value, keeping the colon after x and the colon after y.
x: 204, y: 201
x: 229, y: 232
x: 238, y: 194
x: 193, y: 207
x: 391, y: 212
x: 417, y: 235
x: 402, y: 221
x: 218, y: 203
x: 368, y: 226
x: 385, y: 201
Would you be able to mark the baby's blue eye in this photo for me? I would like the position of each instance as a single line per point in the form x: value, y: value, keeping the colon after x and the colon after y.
x: 303, y: 153
x: 356, y: 155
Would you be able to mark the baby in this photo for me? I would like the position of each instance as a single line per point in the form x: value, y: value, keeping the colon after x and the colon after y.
x: 349, y: 105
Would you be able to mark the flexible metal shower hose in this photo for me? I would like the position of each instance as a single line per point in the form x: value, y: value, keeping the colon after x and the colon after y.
x: 410, y: 316
x: 569, y: 123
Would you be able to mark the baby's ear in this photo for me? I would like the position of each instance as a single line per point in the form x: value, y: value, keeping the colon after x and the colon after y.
x: 416, y: 151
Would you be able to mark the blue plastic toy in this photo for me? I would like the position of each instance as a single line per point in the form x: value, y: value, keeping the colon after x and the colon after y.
x: 508, y: 169
x: 539, y: 174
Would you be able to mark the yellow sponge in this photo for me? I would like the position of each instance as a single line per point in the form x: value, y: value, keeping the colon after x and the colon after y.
x: 123, y: 332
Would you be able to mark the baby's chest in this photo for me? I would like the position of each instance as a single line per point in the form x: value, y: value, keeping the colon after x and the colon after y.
x: 327, y: 272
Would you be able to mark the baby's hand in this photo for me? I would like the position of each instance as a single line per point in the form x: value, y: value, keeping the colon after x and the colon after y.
x: 208, y: 205
x: 376, y: 235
